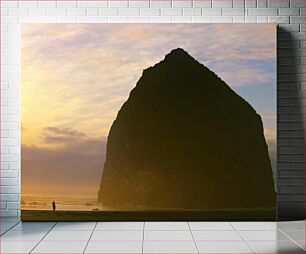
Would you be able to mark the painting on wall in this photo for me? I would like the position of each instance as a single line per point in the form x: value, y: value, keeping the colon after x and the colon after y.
x: 148, y: 122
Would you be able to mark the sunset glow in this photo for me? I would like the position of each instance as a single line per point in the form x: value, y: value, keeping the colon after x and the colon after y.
x: 75, y: 78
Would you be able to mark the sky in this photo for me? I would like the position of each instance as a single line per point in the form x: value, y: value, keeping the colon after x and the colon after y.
x: 75, y: 78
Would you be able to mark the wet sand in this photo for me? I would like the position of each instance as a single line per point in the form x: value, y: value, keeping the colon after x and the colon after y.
x: 165, y: 215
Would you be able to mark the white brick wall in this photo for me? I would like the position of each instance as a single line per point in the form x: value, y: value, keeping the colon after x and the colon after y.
x: 291, y: 67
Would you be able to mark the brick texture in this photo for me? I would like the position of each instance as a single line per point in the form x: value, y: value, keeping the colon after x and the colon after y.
x: 289, y: 14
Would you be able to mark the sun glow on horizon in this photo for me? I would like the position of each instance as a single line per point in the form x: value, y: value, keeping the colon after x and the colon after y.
x: 75, y: 78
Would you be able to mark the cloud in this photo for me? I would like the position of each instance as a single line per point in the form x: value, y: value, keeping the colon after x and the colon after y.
x: 71, y: 169
x: 270, y: 134
x: 271, y: 139
x: 241, y: 73
x: 81, y: 74
x: 56, y: 135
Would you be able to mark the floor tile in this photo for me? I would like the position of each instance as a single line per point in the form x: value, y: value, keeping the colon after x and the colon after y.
x: 68, y: 236
x: 291, y: 225
x: 60, y: 247
x: 164, y: 235
x: 114, y: 247
x: 296, y: 235
x: 301, y: 243
x: 216, y: 236
x: 273, y: 235
x: 3, y: 230
x: 17, y: 247
x: 276, y: 247
x: 8, y: 224
x: 5, y: 226
x: 211, y: 225
x: 253, y: 225
x: 116, y: 236
x: 9, y: 220
x: 23, y: 236
x: 169, y: 247
x: 33, y: 226
x: 223, y: 247
x: 120, y: 225
x: 160, y: 237
x: 167, y: 225
x: 63, y: 226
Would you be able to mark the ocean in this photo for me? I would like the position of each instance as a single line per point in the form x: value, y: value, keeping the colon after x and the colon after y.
x: 62, y: 203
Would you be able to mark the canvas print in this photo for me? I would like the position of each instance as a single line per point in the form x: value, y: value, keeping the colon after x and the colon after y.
x: 148, y: 121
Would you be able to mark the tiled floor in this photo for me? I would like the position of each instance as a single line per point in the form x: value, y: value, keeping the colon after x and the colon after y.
x: 152, y: 237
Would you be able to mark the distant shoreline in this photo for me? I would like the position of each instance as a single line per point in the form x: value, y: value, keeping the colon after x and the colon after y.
x: 265, y: 214
x: 62, y: 203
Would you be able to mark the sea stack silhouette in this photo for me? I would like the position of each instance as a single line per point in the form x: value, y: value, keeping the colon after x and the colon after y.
x: 185, y: 140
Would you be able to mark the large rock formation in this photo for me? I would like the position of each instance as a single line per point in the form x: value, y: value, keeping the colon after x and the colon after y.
x: 185, y: 140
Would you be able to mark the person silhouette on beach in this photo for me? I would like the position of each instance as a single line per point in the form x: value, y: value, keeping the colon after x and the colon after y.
x: 53, y: 206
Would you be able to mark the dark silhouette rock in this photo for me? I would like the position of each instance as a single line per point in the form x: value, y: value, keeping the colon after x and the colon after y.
x: 185, y: 140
